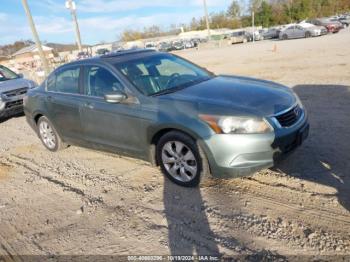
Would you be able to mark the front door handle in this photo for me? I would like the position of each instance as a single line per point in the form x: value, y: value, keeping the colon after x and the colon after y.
x: 89, y: 105
x: 49, y: 98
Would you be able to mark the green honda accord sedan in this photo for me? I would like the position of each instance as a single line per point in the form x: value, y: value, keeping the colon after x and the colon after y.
x: 164, y: 109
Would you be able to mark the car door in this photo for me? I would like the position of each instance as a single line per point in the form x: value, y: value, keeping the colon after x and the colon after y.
x: 291, y: 32
x: 110, y: 125
x: 299, y: 32
x: 63, y: 99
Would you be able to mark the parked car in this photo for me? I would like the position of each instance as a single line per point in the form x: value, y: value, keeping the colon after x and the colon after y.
x: 83, y: 55
x: 164, y: 109
x: 258, y: 35
x: 315, y: 29
x: 165, y: 47
x: 178, y: 45
x: 102, y: 51
x: 12, y: 89
x: 151, y: 45
x: 345, y: 20
x: 240, y: 37
x: 271, y: 33
x: 332, y: 27
x: 297, y: 31
x: 195, y: 41
x: 188, y: 44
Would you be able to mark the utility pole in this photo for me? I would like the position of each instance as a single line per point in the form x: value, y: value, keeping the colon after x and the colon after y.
x: 72, y: 7
x: 206, y: 17
x: 36, y: 38
x: 253, y: 24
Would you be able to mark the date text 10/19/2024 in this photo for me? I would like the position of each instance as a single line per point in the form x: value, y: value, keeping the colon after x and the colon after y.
x: 173, y: 258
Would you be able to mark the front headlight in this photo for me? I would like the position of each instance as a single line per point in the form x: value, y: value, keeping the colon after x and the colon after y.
x: 2, y: 104
x: 237, y: 125
x: 32, y: 84
x: 298, y: 100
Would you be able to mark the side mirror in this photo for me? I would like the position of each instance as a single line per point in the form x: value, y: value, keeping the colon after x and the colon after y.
x: 115, y: 97
x: 20, y: 75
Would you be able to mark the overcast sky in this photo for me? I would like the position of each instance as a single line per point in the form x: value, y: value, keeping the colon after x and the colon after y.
x: 99, y: 20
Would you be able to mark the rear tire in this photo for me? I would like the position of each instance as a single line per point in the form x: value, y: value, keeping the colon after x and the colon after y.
x: 181, y: 159
x: 49, y: 136
x: 284, y: 37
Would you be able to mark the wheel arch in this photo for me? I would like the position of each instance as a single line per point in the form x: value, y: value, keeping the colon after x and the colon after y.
x: 156, y: 134
x: 37, y: 116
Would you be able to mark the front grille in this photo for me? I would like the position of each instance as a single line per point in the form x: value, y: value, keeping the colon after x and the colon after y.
x: 16, y: 92
x: 290, y: 117
x: 14, y: 104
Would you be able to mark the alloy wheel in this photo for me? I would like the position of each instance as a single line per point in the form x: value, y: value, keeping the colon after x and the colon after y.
x: 179, y: 161
x: 47, y: 134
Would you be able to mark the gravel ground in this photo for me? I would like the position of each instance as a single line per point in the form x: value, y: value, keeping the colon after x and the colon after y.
x: 80, y: 201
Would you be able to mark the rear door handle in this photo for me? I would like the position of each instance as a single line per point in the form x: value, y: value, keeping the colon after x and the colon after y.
x: 49, y: 98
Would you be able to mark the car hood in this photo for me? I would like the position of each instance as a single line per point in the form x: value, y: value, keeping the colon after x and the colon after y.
x: 242, y: 95
x: 14, y: 84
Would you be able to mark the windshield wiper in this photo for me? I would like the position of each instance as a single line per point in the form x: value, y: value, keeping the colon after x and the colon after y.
x: 166, y: 91
x: 179, y: 87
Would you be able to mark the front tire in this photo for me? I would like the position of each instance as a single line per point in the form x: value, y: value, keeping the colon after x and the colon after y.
x: 181, y: 159
x: 49, y: 136
x: 307, y: 34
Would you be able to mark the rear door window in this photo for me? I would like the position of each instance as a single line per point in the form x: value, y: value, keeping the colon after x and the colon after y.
x: 51, y: 82
x: 66, y: 81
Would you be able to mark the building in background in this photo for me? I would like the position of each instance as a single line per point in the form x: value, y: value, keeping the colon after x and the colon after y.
x: 30, y: 54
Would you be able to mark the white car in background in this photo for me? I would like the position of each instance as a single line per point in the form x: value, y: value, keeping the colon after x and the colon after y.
x: 317, y: 30
x: 298, y: 31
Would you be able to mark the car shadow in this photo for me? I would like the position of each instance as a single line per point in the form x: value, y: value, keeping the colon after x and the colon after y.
x: 2, y: 120
x: 325, y: 156
x: 189, y: 231
x: 188, y: 225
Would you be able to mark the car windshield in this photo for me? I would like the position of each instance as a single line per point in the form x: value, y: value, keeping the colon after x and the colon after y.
x: 162, y: 73
x: 7, y: 74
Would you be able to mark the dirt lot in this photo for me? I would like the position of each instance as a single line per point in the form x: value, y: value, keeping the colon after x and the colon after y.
x: 80, y: 201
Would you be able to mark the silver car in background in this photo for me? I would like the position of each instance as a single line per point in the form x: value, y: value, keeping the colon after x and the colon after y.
x: 299, y: 31
x: 316, y: 30
x: 13, y: 87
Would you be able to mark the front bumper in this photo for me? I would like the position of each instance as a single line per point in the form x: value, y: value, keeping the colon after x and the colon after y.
x: 244, y: 154
x: 12, y: 108
x: 316, y: 33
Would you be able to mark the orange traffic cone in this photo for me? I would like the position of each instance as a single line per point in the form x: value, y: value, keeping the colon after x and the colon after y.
x: 274, y: 49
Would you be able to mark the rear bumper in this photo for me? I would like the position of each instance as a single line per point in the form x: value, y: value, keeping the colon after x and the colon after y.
x: 243, y: 155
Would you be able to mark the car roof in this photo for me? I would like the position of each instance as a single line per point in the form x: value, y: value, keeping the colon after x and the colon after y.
x: 116, y: 56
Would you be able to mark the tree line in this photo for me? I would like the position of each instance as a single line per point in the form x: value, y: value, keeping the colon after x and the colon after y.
x: 267, y: 13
